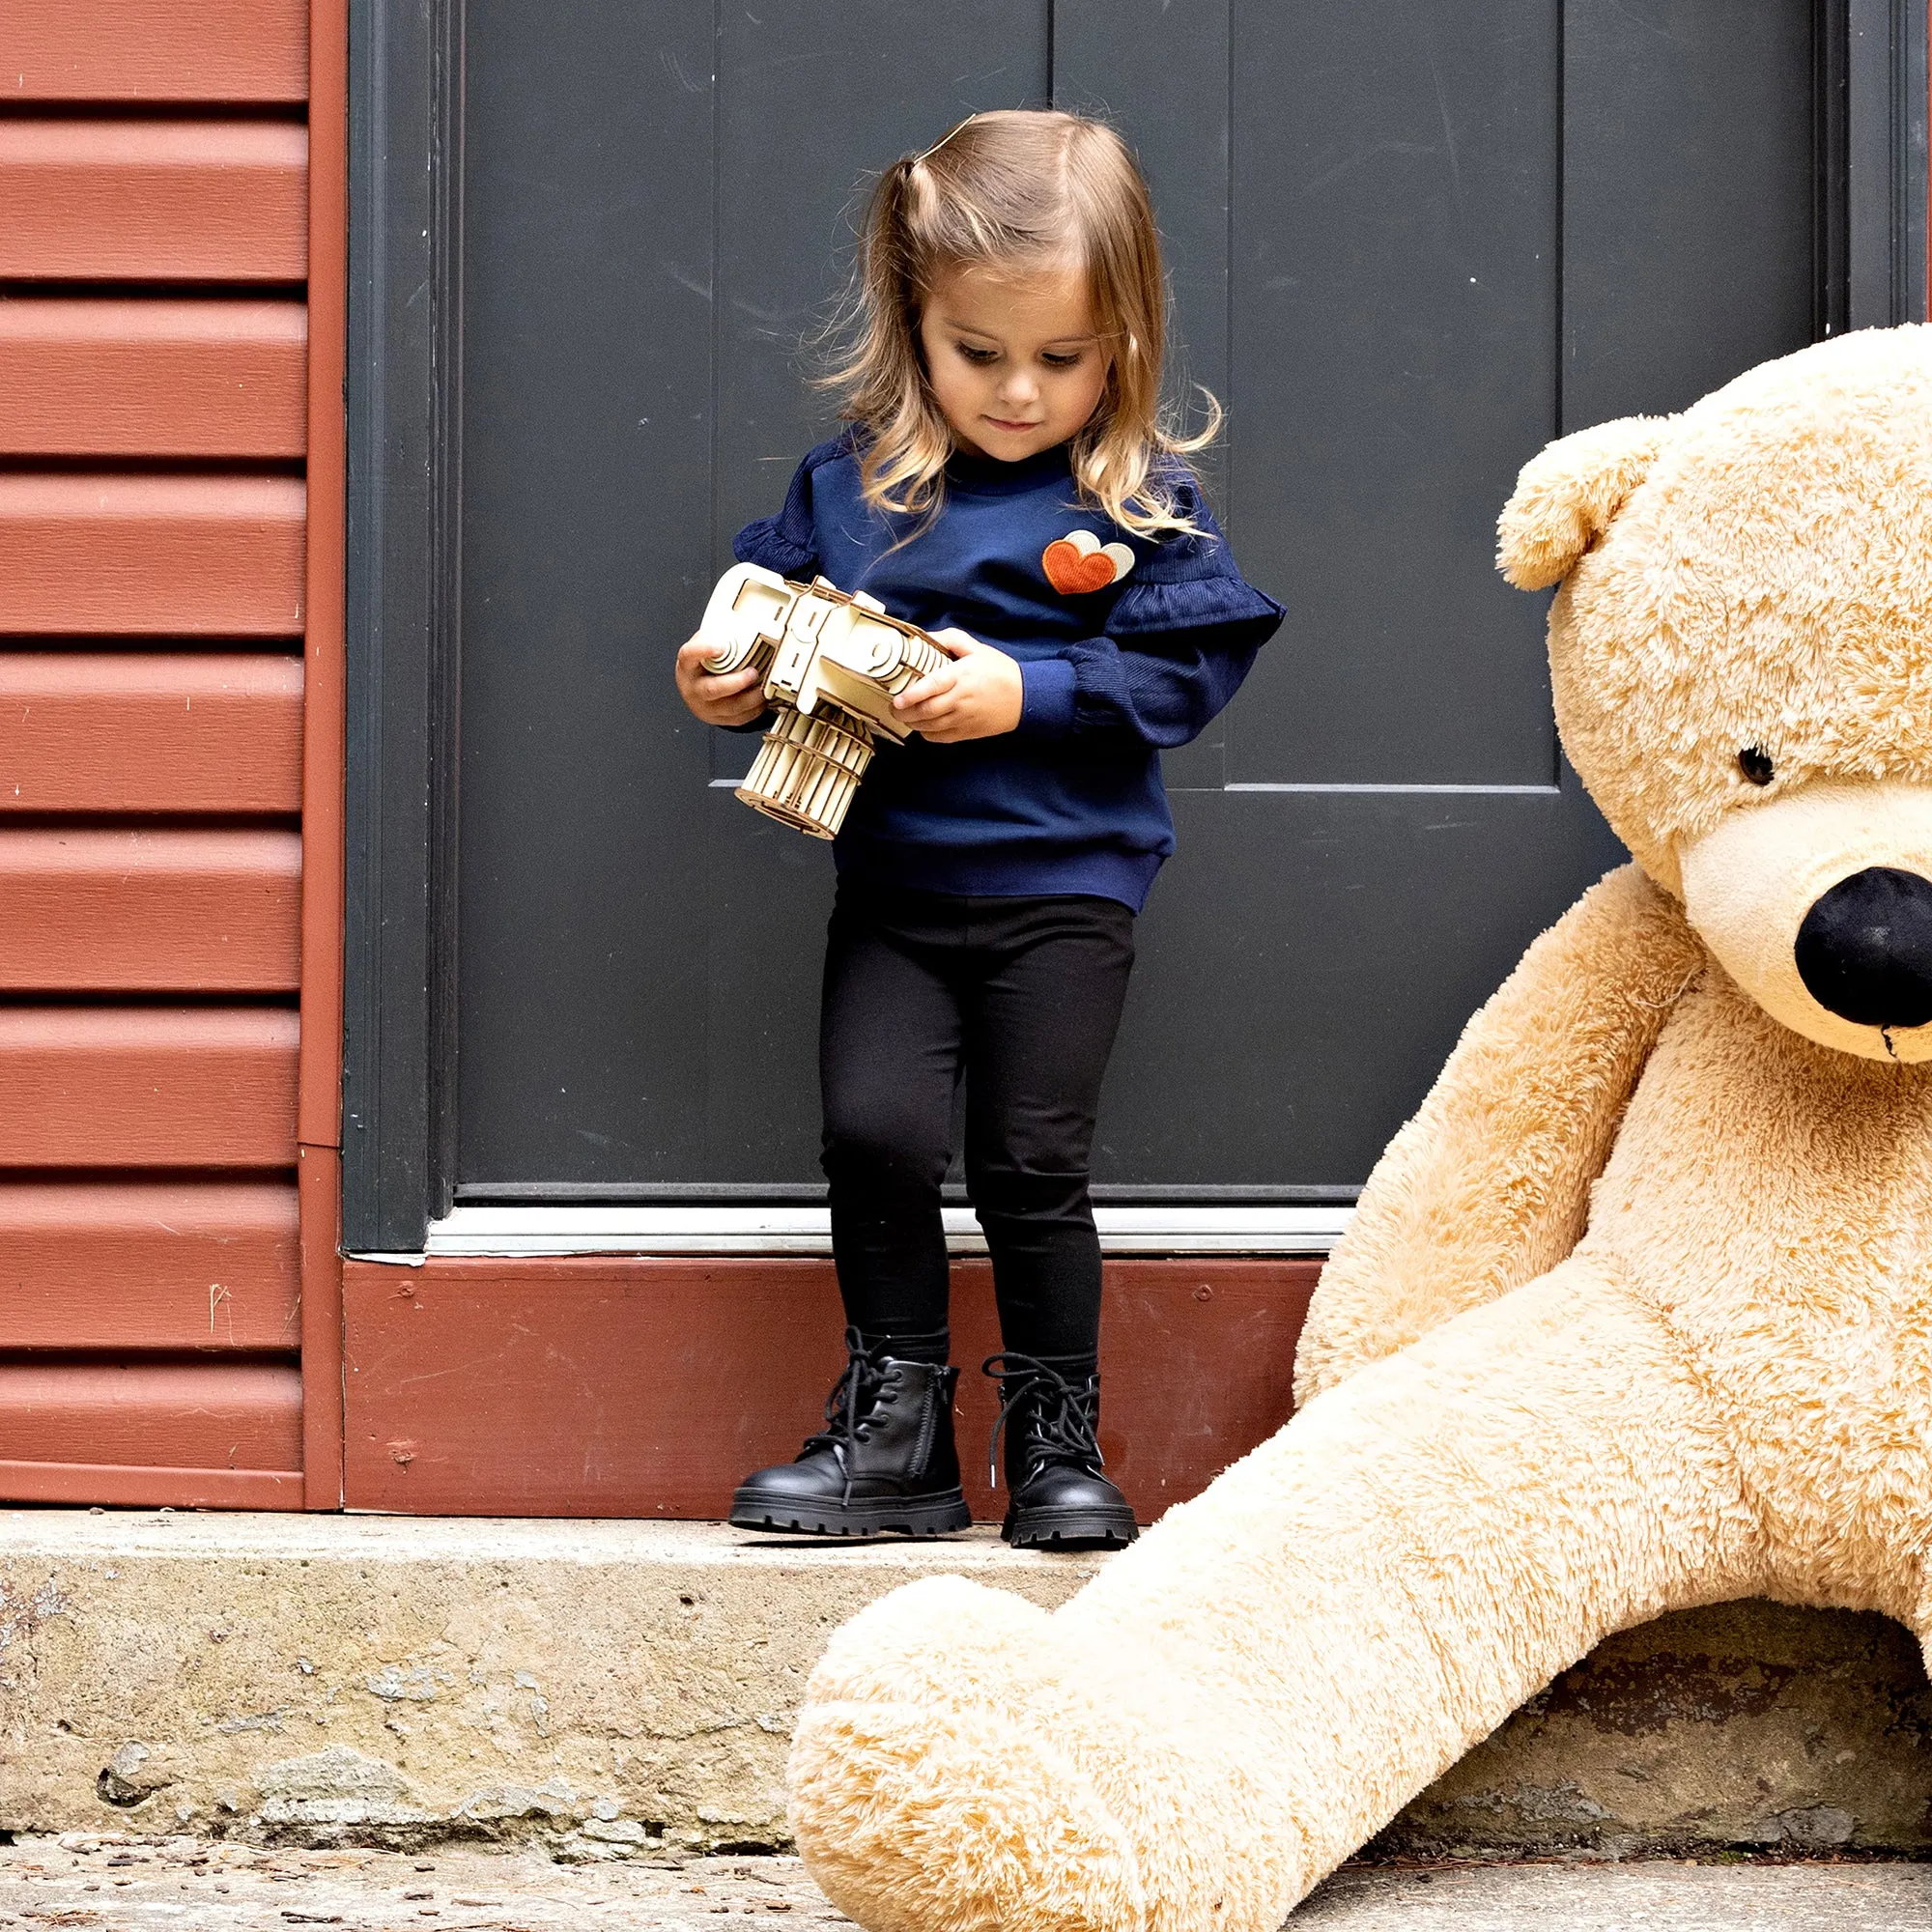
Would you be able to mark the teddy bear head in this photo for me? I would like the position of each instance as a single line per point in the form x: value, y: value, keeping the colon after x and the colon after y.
x: 1741, y: 655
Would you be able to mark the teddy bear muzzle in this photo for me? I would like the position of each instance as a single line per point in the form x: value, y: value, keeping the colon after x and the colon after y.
x: 1818, y: 902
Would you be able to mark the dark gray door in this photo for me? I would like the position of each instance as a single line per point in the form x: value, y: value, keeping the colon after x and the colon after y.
x: 1409, y: 243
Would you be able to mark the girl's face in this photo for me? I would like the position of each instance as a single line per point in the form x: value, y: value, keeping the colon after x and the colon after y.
x: 1015, y: 367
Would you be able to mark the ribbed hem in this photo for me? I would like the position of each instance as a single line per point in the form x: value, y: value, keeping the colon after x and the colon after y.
x: 1127, y: 876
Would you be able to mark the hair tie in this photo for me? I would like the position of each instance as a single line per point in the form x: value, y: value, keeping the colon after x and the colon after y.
x: 919, y: 161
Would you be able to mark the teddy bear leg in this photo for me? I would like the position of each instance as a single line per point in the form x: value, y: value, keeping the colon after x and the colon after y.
x: 1246, y: 1695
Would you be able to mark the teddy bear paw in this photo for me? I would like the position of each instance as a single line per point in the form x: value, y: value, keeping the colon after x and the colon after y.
x: 941, y: 1639
x: 925, y: 1796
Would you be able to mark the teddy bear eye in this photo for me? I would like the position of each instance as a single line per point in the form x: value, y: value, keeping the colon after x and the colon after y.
x: 1756, y: 765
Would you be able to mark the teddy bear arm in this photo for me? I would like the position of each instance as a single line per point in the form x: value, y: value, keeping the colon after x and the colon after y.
x: 1488, y: 1185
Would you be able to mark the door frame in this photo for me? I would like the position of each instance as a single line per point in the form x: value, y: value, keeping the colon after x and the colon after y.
x: 404, y: 467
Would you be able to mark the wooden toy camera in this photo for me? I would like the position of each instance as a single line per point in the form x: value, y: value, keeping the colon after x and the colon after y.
x: 833, y: 662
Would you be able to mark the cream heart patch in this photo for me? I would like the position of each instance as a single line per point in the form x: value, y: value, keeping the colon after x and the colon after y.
x: 1079, y: 563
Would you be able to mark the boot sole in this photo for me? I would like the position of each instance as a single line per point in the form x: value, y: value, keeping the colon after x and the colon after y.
x: 935, y: 1514
x: 1069, y: 1529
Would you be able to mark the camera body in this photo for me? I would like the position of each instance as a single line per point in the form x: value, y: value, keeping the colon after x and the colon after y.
x: 833, y: 662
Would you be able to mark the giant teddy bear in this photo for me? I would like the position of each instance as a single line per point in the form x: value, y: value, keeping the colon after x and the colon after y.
x: 1635, y: 1313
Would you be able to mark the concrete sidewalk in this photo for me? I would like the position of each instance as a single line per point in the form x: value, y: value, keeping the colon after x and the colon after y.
x: 123, y: 1884
x: 628, y: 1689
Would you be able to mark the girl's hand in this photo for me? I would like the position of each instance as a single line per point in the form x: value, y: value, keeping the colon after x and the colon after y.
x: 977, y: 695
x: 735, y: 698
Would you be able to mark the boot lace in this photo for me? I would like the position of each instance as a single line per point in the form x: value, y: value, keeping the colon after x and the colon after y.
x: 853, y: 1398
x: 1063, y: 1414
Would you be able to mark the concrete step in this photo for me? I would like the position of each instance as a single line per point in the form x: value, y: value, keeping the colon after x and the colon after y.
x: 613, y: 1690
x: 126, y: 1883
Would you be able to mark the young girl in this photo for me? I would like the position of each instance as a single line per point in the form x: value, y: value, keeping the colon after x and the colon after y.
x: 1006, y: 483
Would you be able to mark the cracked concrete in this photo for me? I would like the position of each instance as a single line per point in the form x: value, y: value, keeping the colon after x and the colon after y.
x: 617, y: 1690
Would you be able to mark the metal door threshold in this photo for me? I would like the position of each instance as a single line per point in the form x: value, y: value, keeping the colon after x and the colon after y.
x: 507, y: 1232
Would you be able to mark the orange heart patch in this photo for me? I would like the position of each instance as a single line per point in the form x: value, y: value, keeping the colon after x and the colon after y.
x: 1079, y: 563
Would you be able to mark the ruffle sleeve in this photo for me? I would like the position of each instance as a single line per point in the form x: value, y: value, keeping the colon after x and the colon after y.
x: 1146, y: 608
x: 787, y: 543
x: 1191, y: 582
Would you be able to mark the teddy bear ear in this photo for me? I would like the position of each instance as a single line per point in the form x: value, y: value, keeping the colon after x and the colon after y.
x: 1564, y: 497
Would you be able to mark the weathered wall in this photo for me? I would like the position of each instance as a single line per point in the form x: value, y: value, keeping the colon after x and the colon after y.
x: 1749, y: 1725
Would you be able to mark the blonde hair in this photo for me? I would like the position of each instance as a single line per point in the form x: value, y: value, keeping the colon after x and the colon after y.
x: 1014, y: 189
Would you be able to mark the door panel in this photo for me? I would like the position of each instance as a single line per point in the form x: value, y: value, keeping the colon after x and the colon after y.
x: 1689, y: 184
x: 1394, y: 225
x: 587, y: 452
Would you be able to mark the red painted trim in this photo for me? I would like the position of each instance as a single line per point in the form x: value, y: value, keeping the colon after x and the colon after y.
x: 648, y: 1387
x: 150, y: 1489
x: 319, y: 1176
x: 319, y: 1120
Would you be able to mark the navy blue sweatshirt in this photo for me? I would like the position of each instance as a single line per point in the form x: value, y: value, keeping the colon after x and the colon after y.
x: 1071, y: 801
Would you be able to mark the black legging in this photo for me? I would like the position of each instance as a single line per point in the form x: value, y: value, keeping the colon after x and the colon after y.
x: 1023, y: 997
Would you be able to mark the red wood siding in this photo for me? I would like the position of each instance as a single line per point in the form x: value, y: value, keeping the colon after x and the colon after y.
x: 132, y: 555
x: 173, y: 1086
x: 194, y: 1265
x: 153, y: 201
x: 594, y: 1387
x: 155, y: 50
x: 147, y: 731
x: 153, y: 558
x: 151, y: 1485
x: 180, y: 1415
x: 150, y: 912
x: 152, y: 377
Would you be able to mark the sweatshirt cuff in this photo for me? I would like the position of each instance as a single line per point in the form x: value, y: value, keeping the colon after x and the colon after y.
x: 1046, y: 701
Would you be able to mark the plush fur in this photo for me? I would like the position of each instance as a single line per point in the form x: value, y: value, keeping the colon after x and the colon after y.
x: 1635, y: 1313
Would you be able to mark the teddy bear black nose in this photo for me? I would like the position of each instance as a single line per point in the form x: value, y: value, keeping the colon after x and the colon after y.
x: 1864, y: 950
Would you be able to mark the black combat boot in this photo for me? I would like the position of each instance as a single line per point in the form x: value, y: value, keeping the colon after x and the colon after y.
x: 884, y: 1460
x: 1058, y: 1494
